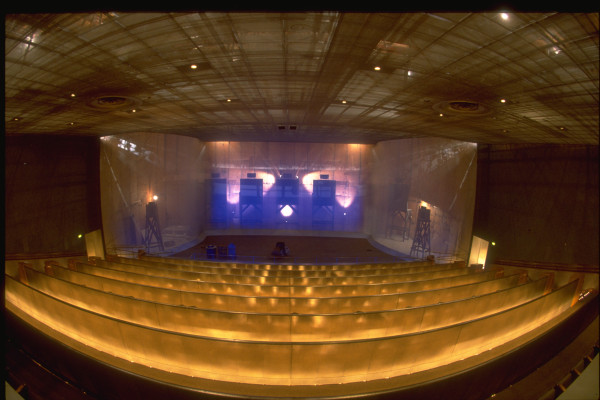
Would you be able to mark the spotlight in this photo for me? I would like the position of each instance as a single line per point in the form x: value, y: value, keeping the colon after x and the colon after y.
x: 155, y: 197
x: 287, y: 211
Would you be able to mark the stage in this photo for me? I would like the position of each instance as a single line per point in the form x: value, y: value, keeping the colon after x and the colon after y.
x: 301, y: 249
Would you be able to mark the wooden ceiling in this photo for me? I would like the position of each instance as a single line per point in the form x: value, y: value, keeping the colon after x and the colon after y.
x: 305, y: 76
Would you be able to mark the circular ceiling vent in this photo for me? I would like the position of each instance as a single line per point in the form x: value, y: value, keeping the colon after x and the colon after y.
x: 113, y: 102
x: 461, y: 107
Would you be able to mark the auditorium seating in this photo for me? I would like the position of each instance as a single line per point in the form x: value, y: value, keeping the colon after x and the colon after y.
x: 281, y: 330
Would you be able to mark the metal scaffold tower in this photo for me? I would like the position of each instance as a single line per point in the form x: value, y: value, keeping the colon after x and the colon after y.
x: 152, y: 228
x: 422, y: 240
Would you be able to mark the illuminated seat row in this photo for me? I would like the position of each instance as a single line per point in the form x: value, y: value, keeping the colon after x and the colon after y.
x: 483, y: 283
x: 290, y: 268
x: 389, y: 276
x: 404, y: 283
x: 289, y: 327
x: 290, y: 271
x: 290, y: 334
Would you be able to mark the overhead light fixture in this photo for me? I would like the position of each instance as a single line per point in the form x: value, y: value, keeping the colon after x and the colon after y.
x: 502, y: 100
x: 441, y: 115
x: 193, y: 66
x: 73, y: 95
x: 377, y: 68
x: 409, y: 73
x: 504, y: 16
x: 344, y: 101
x: 229, y: 100
x: 155, y: 197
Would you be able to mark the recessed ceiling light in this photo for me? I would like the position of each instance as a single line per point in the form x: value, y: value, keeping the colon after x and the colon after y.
x: 229, y: 100
x: 504, y: 16
x: 344, y: 101
x: 441, y: 115
x: 193, y: 66
x: 409, y: 73
x: 73, y: 95
x: 377, y: 68
x: 502, y: 100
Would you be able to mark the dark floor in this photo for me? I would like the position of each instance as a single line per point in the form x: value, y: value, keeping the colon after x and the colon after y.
x: 301, y: 248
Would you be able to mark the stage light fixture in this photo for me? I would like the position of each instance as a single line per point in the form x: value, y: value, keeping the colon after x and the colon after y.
x: 287, y: 211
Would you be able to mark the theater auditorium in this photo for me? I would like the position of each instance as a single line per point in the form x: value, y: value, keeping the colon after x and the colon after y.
x: 301, y: 205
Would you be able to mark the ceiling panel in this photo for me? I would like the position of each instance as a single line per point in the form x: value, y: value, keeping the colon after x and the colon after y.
x: 258, y: 72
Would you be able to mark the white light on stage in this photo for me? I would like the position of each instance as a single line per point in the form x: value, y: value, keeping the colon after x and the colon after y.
x: 307, y: 180
x: 268, y: 180
x: 287, y: 211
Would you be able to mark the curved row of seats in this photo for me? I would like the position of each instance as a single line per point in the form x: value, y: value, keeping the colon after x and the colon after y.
x: 279, y: 271
x: 292, y: 327
x: 284, y: 278
x: 342, y: 325
x: 321, y: 288
x: 487, y: 283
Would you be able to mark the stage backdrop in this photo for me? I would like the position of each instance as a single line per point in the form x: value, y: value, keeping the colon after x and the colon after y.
x: 135, y: 168
x: 435, y: 173
x: 286, y: 188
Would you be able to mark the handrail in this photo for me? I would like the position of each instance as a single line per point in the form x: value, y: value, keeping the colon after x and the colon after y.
x: 303, y: 260
x: 549, y: 265
x: 35, y: 256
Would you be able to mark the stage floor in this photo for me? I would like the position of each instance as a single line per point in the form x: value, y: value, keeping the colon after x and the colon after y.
x: 301, y: 249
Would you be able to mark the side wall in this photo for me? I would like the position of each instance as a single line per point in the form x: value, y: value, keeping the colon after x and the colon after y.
x: 538, y: 203
x: 435, y: 173
x: 137, y: 167
x: 52, y: 193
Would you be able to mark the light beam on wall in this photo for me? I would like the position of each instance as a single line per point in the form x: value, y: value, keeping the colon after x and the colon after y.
x: 307, y: 180
x: 233, y: 194
x: 345, y: 195
x: 268, y: 180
